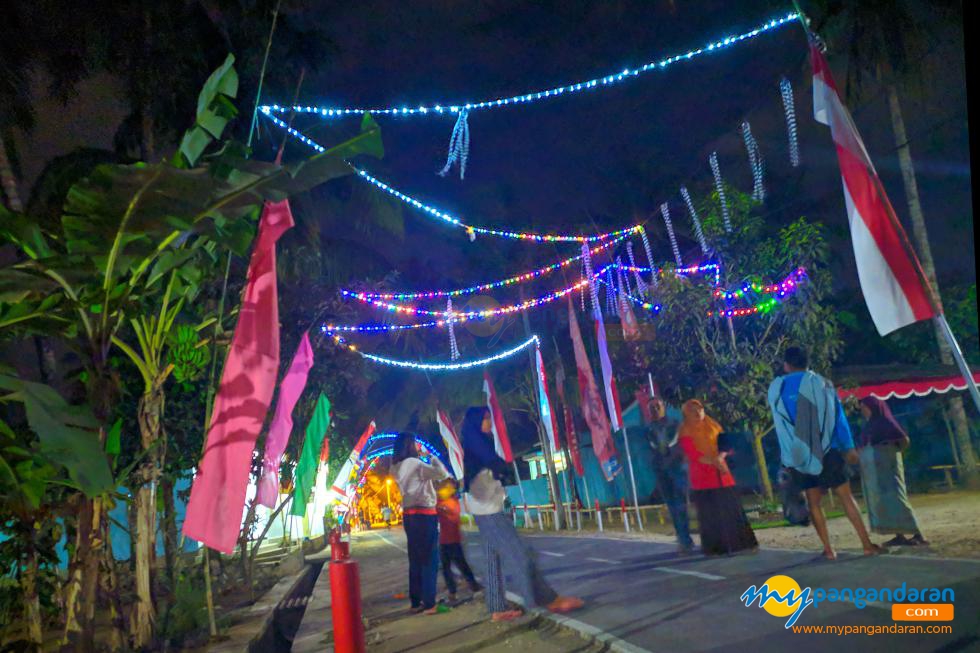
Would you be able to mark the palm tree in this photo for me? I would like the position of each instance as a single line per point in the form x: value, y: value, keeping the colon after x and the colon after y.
x: 885, y: 39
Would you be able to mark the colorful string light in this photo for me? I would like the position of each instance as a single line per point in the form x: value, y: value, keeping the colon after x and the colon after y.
x: 783, y: 288
x: 525, y: 98
x: 464, y: 316
x: 490, y: 285
x: 779, y: 291
x: 439, y: 367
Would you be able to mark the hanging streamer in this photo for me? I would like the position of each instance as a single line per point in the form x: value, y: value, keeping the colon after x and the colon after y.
x: 453, y: 348
x: 611, y: 308
x: 670, y: 233
x: 589, y: 279
x: 698, y: 231
x: 755, y: 161
x: 720, y: 188
x: 646, y: 247
x: 641, y: 286
x: 459, y: 145
x: 786, y: 90
x: 624, y: 280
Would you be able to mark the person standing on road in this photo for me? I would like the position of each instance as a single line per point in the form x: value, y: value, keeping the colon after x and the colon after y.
x: 417, y: 480
x: 883, y: 475
x: 451, y: 540
x: 815, y: 443
x: 482, y: 470
x: 668, y: 466
x: 386, y: 516
x: 722, y: 522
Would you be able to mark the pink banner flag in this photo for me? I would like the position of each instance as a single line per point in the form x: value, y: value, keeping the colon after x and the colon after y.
x: 609, y: 381
x: 214, y: 512
x: 592, y: 410
x: 282, y: 422
x: 501, y: 442
x: 891, y: 279
x: 453, y: 447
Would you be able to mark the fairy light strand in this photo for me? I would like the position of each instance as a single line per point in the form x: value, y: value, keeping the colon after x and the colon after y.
x: 613, y: 79
x: 439, y: 367
x: 490, y: 285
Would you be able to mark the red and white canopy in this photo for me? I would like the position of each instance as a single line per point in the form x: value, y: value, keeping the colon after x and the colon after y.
x: 905, y: 388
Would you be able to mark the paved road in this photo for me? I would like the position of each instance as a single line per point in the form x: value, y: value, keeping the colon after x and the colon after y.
x: 646, y: 596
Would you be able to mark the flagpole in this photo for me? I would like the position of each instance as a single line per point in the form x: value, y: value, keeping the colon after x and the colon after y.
x: 629, y: 462
x: 520, y: 488
x: 971, y: 386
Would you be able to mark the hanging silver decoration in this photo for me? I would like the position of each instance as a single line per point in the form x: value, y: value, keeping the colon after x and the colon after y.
x: 755, y: 161
x: 786, y: 90
x: 593, y: 291
x: 453, y: 348
x: 459, y: 145
x: 665, y: 210
x: 716, y: 171
x: 646, y: 247
x: 698, y: 231
x: 641, y: 286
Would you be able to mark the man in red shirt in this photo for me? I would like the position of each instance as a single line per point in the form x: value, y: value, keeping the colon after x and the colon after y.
x: 451, y: 538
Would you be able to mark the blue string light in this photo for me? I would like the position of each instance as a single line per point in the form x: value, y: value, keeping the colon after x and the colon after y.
x: 526, y: 98
x: 440, y: 367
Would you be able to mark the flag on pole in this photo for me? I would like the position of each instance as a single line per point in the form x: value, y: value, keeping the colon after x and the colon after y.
x: 571, y: 437
x: 547, y: 414
x: 609, y: 381
x: 453, y: 447
x: 309, y: 460
x: 501, y: 443
x: 290, y: 390
x: 214, y: 511
x: 339, y: 486
x: 592, y: 410
x: 891, y: 278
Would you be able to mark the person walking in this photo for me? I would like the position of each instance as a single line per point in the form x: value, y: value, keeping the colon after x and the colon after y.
x: 416, y: 480
x: 485, y: 496
x: 386, y: 516
x: 722, y: 522
x: 668, y: 466
x: 815, y: 443
x: 883, y: 475
x: 451, y: 540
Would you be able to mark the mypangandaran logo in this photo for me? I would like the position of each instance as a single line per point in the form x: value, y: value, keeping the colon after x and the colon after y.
x: 781, y: 596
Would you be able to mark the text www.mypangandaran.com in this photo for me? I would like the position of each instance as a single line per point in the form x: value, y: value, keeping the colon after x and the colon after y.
x: 874, y: 630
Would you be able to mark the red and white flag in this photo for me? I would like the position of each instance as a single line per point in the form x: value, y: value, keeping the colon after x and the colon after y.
x: 453, y: 447
x: 547, y: 413
x: 890, y: 275
x: 592, y: 410
x: 339, y: 487
x: 571, y: 438
x: 609, y: 381
x: 501, y: 443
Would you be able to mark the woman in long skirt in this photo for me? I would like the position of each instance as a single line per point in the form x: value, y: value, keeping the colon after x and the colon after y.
x: 722, y: 522
x: 883, y: 475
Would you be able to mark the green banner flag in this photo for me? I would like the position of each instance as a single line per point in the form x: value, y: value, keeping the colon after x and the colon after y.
x: 305, y: 475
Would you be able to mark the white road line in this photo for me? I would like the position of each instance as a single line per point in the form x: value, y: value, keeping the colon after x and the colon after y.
x: 686, y: 572
x: 549, y: 553
x: 614, y: 643
x: 389, y: 542
x: 608, y: 562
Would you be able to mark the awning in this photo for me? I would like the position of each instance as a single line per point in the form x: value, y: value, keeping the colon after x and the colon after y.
x: 903, y: 388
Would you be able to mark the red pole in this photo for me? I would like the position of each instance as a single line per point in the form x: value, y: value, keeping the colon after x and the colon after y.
x: 345, y: 598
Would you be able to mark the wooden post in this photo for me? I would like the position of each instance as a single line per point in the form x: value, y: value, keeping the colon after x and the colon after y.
x: 760, y: 460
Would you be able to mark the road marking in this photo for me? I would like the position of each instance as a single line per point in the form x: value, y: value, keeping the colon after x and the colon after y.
x: 608, y: 562
x: 387, y: 541
x: 614, y: 643
x: 686, y: 572
x: 549, y: 553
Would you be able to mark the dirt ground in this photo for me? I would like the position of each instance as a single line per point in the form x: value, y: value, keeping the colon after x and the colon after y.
x: 949, y: 521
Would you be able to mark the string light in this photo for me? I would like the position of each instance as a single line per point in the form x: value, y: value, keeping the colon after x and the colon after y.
x: 486, y: 231
x: 525, y: 98
x: 779, y: 292
x: 490, y: 285
x: 783, y: 288
x: 440, y: 367
x: 378, y: 328
x: 653, y: 308
x: 464, y: 316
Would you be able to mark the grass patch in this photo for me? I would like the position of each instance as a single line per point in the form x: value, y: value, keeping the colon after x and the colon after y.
x: 757, y: 526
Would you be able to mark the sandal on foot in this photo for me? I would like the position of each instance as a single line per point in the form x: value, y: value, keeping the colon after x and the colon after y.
x: 899, y: 540
x: 564, y: 604
x: 507, y: 615
x: 918, y: 540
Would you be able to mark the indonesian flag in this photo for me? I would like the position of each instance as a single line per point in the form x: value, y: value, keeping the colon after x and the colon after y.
x: 339, y: 486
x: 501, y: 443
x: 547, y: 414
x: 891, y: 279
x: 592, y: 410
x: 609, y: 381
x: 453, y: 447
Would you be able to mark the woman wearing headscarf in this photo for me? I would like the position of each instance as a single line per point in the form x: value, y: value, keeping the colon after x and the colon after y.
x: 484, y: 499
x: 417, y: 482
x: 883, y: 474
x: 722, y: 522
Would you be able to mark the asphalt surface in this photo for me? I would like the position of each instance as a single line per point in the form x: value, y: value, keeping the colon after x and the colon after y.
x: 649, y: 598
